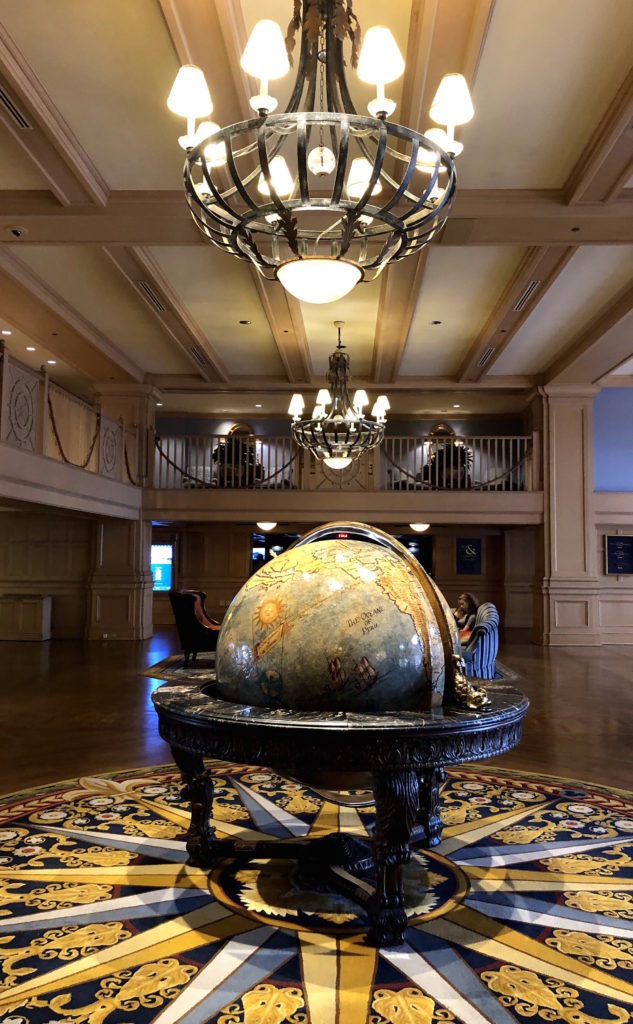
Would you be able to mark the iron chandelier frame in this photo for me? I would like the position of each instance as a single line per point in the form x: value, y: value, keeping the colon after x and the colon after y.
x: 343, y: 432
x: 226, y: 200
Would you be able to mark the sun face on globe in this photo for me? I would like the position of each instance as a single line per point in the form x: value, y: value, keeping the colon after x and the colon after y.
x: 335, y: 625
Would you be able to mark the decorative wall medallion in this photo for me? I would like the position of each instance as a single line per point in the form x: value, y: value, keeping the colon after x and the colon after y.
x: 108, y: 451
x: 22, y: 411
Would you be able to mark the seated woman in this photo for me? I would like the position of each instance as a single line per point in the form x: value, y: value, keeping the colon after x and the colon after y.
x: 465, y: 614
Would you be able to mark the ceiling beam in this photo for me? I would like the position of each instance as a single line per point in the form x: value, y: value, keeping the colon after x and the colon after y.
x: 233, y: 30
x: 400, y: 284
x: 438, y: 32
x: 419, y: 41
x: 195, y: 29
x: 494, y: 217
x: 185, y: 384
x: 32, y: 307
x: 48, y: 140
x: 536, y: 273
x: 606, y: 162
x: 283, y: 313
x: 399, y: 292
x: 142, y: 272
x: 605, y: 344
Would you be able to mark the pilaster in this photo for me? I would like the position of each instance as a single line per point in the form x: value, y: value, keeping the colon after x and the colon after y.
x: 569, y: 582
x: 120, y: 586
x: 134, y: 405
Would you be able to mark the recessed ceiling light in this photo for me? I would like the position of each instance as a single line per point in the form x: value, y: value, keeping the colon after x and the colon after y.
x: 30, y: 348
x: 245, y: 321
x: 258, y: 405
x: 457, y: 407
x: 434, y: 323
x: 51, y: 362
x: 6, y: 332
x: 159, y: 403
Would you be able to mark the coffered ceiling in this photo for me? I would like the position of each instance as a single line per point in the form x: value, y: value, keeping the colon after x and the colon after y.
x: 530, y: 283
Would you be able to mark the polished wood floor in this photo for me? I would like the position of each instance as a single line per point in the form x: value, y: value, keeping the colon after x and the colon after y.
x: 69, y: 709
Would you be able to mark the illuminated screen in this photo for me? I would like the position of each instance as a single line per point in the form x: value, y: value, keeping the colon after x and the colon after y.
x: 161, y: 561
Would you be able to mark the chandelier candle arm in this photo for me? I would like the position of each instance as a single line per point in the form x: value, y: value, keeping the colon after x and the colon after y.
x: 319, y: 218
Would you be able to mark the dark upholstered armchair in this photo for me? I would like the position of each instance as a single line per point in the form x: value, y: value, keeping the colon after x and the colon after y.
x: 196, y: 630
x: 480, y: 650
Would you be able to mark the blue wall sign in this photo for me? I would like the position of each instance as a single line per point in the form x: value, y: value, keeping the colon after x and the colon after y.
x: 619, y: 555
x: 468, y: 557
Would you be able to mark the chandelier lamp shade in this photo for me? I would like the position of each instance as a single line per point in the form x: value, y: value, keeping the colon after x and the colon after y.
x: 319, y: 183
x: 342, y: 432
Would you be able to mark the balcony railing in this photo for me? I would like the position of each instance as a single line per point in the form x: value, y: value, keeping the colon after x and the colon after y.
x: 40, y: 417
x: 490, y: 463
x: 220, y: 460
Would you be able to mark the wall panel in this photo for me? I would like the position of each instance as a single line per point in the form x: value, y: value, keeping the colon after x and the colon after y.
x: 48, y: 554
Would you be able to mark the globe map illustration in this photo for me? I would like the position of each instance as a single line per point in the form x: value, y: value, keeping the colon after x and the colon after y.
x: 336, y: 624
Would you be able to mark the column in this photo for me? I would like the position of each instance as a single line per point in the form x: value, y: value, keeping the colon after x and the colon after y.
x: 120, y: 586
x: 570, y: 584
x: 135, y: 405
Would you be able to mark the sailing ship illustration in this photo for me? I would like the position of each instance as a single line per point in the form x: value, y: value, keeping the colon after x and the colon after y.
x: 362, y: 676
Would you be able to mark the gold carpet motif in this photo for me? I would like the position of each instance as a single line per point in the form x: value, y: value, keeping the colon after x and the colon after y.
x: 524, y: 912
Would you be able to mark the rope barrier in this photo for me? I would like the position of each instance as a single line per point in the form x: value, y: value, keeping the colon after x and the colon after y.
x: 503, y: 476
x: 476, y: 486
x: 127, y: 466
x: 207, y: 483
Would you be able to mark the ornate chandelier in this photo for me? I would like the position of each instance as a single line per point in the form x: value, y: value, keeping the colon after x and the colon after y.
x: 319, y: 197
x: 341, y: 434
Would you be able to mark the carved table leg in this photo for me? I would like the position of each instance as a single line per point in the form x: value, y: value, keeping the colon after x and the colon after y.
x: 397, y: 795
x: 430, y: 780
x: 198, y: 789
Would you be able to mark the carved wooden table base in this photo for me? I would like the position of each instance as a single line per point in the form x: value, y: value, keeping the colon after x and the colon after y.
x: 405, y: 751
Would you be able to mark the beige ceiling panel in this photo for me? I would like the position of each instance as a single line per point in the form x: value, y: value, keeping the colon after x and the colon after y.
x: 59, y: 371
x: 460, y: 288
x: 359, y: 310
x: 369, y: 12
x: 16, y: 170
x: 591, y: 280
x: 89, y: 282
x: 218, y: 292
x: 110, y: 83
x: 547, y: 74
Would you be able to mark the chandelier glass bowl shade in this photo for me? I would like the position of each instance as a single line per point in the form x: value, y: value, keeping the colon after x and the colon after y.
x: 319, y: 180
x: 341, y: 433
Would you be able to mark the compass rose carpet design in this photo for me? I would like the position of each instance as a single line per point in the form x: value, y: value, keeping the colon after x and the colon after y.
x: 524, y: 912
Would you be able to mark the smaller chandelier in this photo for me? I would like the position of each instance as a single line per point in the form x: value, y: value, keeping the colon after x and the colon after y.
x: 343, y: 433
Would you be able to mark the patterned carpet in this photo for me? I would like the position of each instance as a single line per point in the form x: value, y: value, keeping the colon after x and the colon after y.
x: 524, y: 912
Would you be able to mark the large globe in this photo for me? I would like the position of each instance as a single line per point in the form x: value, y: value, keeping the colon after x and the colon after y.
x: 336, y: 625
